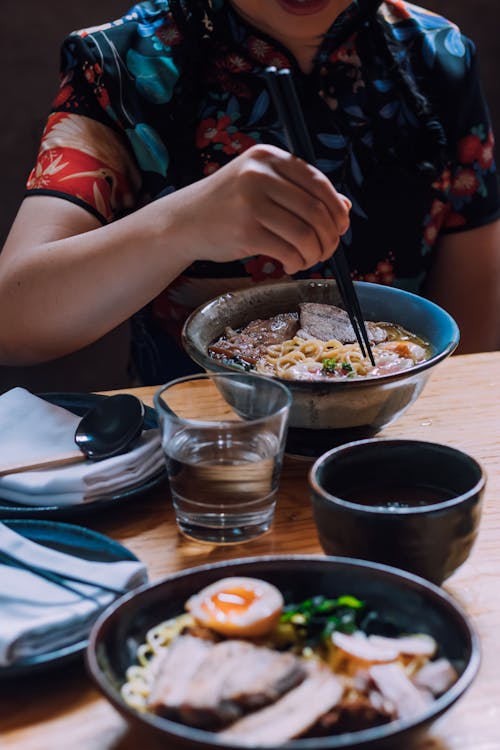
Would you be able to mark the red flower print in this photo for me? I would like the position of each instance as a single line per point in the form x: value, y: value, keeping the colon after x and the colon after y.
x: 277, y: 59
x: 469, y: 149
x: 400, y: 7
x: 431, y: 233
x: 65, y: 93
x: 487, y: 154
x: 169, y: 35
x: 454, y: 220
x: 212, y: 131
x: 266, y: 54
x: 383, y: 274
x: 102, y: 97
x: 261, y: 267
x: 89, y: 72
x: 444, y: 180
x: 210, y: 168
x: 236, y: 63
x: 437, y: 208
x: 237, y: 143
x: 347, y: 53
x: 259, y: 48
x: 465, y: 183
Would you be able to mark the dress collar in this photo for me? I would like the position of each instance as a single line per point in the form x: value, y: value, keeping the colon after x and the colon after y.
x: 261, y: 47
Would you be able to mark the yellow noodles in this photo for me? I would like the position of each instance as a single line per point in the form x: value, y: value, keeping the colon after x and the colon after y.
x: 310, y: 353
x: 140, y: 677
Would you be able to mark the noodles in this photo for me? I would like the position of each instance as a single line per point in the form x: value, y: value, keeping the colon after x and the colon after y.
x: 312, y: 359
x: 316, y: 345
x: 140, y: 677
x: 310, y: 354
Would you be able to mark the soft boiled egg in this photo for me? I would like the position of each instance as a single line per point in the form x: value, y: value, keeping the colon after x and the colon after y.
x: 237, y: 606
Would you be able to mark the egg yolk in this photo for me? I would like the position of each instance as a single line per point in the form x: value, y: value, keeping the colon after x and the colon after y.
x: 238, y: 607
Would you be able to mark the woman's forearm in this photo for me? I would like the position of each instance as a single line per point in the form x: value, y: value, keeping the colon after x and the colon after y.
x: 65, y: 280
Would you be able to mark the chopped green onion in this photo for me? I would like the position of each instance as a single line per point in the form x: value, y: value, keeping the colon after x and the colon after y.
x: 350, y: 601
x: 330, y: 364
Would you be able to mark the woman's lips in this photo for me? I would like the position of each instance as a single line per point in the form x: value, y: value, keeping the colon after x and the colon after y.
x: 303, y: 7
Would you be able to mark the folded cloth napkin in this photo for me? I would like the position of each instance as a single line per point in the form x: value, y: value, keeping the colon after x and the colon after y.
x: 37, y: 429
x: 38, y: 616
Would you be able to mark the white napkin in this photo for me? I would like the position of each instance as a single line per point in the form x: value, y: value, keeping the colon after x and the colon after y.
x: 32, y: 429
x: 38, y: 616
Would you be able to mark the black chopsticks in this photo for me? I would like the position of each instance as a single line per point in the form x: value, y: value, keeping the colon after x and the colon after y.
x: 286, y: 101
x: 61, y: 579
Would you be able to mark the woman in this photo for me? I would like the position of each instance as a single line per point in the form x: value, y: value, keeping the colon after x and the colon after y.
x: 162, y: 180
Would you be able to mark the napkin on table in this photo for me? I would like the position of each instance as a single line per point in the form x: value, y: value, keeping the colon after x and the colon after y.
x: 33, y: 429
x: 38, y: 616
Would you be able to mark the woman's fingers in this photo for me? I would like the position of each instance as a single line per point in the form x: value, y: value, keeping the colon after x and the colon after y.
x: 306, y: 211
x: 312, y: 181
x: 264, y: 202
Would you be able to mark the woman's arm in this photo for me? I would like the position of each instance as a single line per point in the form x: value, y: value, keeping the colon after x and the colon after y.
x: 65, y: 280
x: 465, y: 280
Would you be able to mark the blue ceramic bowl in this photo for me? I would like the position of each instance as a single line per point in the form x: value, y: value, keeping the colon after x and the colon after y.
x: 411, y: 603
x: 327, y: 414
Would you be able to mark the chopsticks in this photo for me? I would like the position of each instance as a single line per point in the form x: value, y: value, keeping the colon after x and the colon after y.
x: 289, y: 110
x: 60, y: 579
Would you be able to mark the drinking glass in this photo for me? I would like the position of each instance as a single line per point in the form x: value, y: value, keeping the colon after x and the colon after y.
x: 223, y: 435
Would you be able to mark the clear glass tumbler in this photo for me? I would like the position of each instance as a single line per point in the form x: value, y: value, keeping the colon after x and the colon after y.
x: 223, y: 437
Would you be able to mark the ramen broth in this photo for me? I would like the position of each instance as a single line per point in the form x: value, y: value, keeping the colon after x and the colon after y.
x: 393, y: 497
x: 296, y: 354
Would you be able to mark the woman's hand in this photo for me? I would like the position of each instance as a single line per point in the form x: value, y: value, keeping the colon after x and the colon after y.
x: 265, y: 201
x: 65, y: 280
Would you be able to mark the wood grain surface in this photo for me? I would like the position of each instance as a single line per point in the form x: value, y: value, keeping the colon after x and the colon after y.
x: 460, y: 406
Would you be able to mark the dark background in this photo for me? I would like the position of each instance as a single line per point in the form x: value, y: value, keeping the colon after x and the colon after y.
x: 30, y: 35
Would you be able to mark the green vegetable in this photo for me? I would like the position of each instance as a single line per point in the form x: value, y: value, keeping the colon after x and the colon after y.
x: 317, y: 618
x: 330, y: 365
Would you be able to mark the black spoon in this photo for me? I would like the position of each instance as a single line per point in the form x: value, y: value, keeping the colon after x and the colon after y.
x: 108, y: 429
x: 111, y: 427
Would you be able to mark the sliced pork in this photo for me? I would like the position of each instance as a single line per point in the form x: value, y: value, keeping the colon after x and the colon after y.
x: 410, y: 645
x: 436, y: 676
x: 292, y: 715
x: 326, y: 322
x: 221, y: 680
x: 175, y: 672
x: 395, y: 685
x: 250, y: 343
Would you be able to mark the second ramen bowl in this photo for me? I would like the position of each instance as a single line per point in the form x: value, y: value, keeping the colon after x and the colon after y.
x: 326, y: 414
x: 408, y: 602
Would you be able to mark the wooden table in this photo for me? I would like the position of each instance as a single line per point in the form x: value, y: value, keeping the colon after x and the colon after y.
x: 61, y: 710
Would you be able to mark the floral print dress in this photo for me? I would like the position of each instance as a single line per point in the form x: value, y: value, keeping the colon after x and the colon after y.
x: 127, y: 127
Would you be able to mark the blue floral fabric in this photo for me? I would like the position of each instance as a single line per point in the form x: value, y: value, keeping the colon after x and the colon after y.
x: 135, y: 78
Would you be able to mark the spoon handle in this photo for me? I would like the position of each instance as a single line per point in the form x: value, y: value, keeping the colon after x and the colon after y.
x: 71, y: 457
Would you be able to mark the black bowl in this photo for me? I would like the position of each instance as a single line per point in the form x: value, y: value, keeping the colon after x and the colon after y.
x: 411, y: 602
x: 431, y: 534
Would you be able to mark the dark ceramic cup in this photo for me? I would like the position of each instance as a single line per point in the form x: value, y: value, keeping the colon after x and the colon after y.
x: 411, y: 504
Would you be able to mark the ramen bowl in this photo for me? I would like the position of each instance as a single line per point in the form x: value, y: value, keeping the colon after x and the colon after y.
x: 412, y: 604
x: 329, y: 413
x: 408, y: 503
